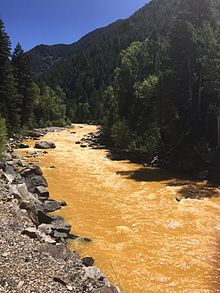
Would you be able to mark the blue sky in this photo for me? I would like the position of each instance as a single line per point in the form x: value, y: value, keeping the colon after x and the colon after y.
x: 33, y: 22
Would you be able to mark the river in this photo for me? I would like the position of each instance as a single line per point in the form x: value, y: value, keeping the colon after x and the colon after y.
x: 142, y: 238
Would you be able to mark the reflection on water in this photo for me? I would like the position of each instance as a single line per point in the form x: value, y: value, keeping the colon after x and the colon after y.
x: 143, y: 239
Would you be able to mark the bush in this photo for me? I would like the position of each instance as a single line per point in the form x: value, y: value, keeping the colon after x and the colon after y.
x: 120, y: 134
x: 149, y: 143
x: 3, y: 136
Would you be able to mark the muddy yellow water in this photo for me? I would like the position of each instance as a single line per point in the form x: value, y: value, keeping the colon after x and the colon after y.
x: 143, y: 239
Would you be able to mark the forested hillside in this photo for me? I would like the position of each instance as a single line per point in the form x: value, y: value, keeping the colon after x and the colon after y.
x: 152, y: 81
x: 83, y: 69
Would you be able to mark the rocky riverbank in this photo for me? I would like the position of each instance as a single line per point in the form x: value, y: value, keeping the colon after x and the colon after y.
x: 34, y: 256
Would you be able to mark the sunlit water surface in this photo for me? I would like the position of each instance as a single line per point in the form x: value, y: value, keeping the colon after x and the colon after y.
x: 143, y: 239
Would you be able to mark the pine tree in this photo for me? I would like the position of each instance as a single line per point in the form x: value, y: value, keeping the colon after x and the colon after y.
x: 8, y: 92
x: 25, y: 86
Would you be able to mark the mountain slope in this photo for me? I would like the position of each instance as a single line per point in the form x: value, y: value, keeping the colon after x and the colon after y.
x: 43, y: 57
x: 153, y: 17
x: 83, y: 69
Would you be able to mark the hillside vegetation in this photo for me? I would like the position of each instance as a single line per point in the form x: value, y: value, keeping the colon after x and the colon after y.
x: 151, y: 80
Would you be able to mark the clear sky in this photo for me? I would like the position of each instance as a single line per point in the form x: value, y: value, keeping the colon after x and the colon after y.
x: 34, y: 22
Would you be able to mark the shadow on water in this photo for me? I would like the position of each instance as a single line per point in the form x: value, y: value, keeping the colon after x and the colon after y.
x: 122, y: 155
x: 188, y: 188
x: 146, y: 174
x: 194, y: 191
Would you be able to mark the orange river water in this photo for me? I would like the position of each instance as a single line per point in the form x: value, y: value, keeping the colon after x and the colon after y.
x: 143, y: 239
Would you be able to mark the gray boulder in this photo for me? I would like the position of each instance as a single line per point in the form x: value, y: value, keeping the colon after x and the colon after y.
x: 88, y: 261
x: 51, y: 206
x: 30, y: 232
x: 42, y: 192
x: 60, y: 235
x: 46, y: 228
x: 32, y: 181
x: 45, y: 145
x: 23, y: 146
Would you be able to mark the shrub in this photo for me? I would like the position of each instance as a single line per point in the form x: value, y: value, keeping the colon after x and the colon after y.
x: 149, y: 143
x: 120, y: 134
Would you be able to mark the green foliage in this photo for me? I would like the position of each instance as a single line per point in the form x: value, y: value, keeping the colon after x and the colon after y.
x: 111, y: 111
x: 3, y: 136
x: 25, y: 86
x: 9, y: 97
x: 49, y: 107
x: 148, y: 143
x: 120, y: 134
x: 152, y: 80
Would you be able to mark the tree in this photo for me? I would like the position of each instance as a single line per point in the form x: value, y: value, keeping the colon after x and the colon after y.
x: 25, y: 86
x: 8, y: 93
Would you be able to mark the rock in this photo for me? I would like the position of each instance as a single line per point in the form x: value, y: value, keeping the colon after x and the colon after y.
x: 59, y: 251
x: 18, y: 179
x: 83, y: 146
x: 30, y: 232
x: 16, y: 155
x: 77, y: 142
x: 31, y: 209
x: 88, y: 261
x: 46, y: 228
x: 21, y: 163
x: 22, y: 189
x: 35, y: 134
x: 59, y: 235
x: 40, y: 235
x: 13, y: 190
x: 57, y: 220
x: 23, y: 146
x: 93, y: 273
x: 32, y: 181
x: 51, y: 206
x: 37, y: 170
x: 63, y: 203
x: 42, y: 192
x: 46, y: 238
x: 10, y: 168
x: 63, y: 228
x: 34, y: 170
x: 43, y: 218
x: 7, y: 178
x: 72, y: 236
x: 45, y: 145
x: 85, y: 239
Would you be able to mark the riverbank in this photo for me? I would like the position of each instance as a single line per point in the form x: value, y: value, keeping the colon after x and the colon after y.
x: 34, y: 256
x: 143, y: 239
